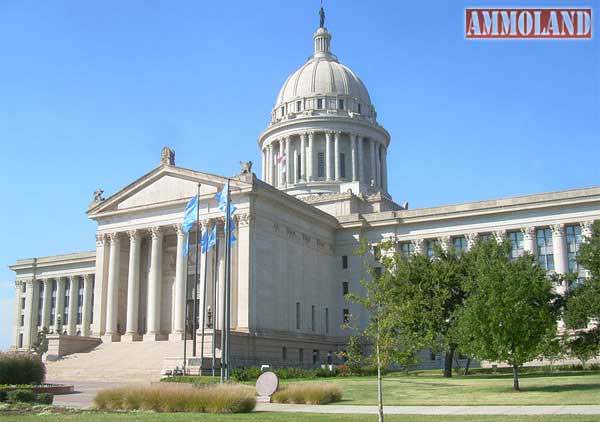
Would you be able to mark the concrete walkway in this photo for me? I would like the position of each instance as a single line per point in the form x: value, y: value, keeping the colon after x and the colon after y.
x: 85, y: 392
x: 432, y: 410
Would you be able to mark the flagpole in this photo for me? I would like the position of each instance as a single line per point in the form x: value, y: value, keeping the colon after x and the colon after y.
x: 228, y: 284
x: 215, y: 303
x: 204, y: 301
x: 195, y: 289
x: 224, y: 305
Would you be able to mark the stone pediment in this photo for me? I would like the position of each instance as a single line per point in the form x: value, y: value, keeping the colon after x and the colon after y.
x: 163, y: 186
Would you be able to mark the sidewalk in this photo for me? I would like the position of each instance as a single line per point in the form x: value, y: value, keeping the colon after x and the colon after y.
x: 432, y: 410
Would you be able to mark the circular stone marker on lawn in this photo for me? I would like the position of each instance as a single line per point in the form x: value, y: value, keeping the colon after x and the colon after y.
x: 267, y: 384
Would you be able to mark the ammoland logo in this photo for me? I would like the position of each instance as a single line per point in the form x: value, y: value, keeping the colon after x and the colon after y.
x: 528, y: 23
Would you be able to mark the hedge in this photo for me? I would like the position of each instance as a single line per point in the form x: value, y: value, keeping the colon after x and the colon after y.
x: 21, y: 368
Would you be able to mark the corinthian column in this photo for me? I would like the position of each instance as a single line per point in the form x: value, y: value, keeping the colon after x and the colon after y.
x: 303, y: 139
x: 560, y: 254
x: 133, y: 288
x: 112, y: 298
x: 288, y: 162
x: 46, y: 303
x: 336, y: 155
x: 154, y: 286
x: 100, y: 281
x: 384, y: 174
x: 180, y: 278
x: 29, y: 326
x: 60, y: 305
x: 419, y: 246
x: 529, y: 239
x: 378, y: 181
x: 86, y: 309
x: 373, y: 163
x: 328, y: 153
x: 361, y: 158
x: 310, y: 163
x: 354, y: 141
x: 73, y: 296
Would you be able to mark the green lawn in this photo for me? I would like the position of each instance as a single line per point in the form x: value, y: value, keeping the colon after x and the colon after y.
x: 282, y: 417
x: 429, y: 388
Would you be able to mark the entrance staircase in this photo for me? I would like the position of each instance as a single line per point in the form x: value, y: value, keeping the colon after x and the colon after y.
x: 119, y: 362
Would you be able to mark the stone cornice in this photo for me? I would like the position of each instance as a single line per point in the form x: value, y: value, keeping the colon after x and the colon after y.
x: 72, y: 258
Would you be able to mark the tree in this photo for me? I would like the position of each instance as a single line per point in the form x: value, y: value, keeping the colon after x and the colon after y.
x: 584, y: 345
x: 428, y: 294
x: 388, y: 344
x: 583, y: 303
x: 509, y: 313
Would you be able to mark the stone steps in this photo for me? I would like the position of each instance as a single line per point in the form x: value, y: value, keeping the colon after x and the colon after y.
x: 135, y: 362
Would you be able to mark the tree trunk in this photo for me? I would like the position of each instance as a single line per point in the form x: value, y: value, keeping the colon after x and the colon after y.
x: 448, y: 358
x: 379, y: 380
x: 516, y: 378
x: 467, y: 366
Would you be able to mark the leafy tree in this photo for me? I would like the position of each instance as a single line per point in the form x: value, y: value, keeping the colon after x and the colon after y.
x: 387, y: 343
x: 585, y: 345
x: 428, y: 294
x: 510, y: 312
x: 583, y: 303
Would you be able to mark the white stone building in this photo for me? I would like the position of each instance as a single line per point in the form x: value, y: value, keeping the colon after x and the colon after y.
x: 324, y: 184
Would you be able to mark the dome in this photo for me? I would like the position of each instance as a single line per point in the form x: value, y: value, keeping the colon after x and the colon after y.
x: 323, y: 85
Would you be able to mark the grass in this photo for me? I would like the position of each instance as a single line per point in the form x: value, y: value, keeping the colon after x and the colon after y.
x: 281, y: 417
x: 430, y: 388
x: 308, y: 393
x: 178, y: 398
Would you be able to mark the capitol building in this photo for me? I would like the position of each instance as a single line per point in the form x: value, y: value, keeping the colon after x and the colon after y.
x: 323, y: 185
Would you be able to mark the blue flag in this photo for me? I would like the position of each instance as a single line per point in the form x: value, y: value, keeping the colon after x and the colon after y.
x: 209, y: 238
x: 221, y: 198
x: 191, y: 213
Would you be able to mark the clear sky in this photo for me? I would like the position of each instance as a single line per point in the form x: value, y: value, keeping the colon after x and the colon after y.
x: 91, y: 91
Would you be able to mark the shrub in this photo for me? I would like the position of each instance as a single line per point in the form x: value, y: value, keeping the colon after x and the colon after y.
x: 21, y: 396
x: 308, y: 393
x: 44, y: 398
x: 243, y: 374
x: 3, y: 395
x: 196, y: 380
x: 179, y: 398
x: 343, y: 371
x: 21, y: 368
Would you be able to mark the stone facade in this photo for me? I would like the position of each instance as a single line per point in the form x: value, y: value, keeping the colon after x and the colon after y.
x: 324, y: 184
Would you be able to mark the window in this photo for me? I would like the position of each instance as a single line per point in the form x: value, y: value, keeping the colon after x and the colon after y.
x: 65, y: 317
x: 329, y: 357
x: 346, y: 316
x: 431, y: 248
x: 298, y: 167
x: 377, y: 253
x: 345, y: 288
x: 53, y: 304
x: 341, y: 104
x: 516, y: 244
x: 297, y: 315
x: 315, y: 357
x: 92, y: 302
x: 485, y: 237
x: 460, y: 244
x: 284, y: 353
x: 298, y: 105
x: 359, y: 108
x: 319, y: 103
x: 345, y: 262
x: 431, y: 356
x: 22, y: 303
x: 574, y: 240
x: 312, y: 318
x: 327, y: 320
x: 300, y: 356
x: 342, y: 164
x: 321, y: 164
x: 80, y: 304
x: 282, y: 111
x: 20, y: 340
x: 407, y: 249
x: 377, y: 271
x: 40, y: 305
x: 545, y: 249
x: 22, y: 322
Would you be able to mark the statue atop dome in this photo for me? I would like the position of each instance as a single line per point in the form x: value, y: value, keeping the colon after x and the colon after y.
x: 322, y: 17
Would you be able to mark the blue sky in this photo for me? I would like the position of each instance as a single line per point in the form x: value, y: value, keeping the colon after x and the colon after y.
x: 90, y: 93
